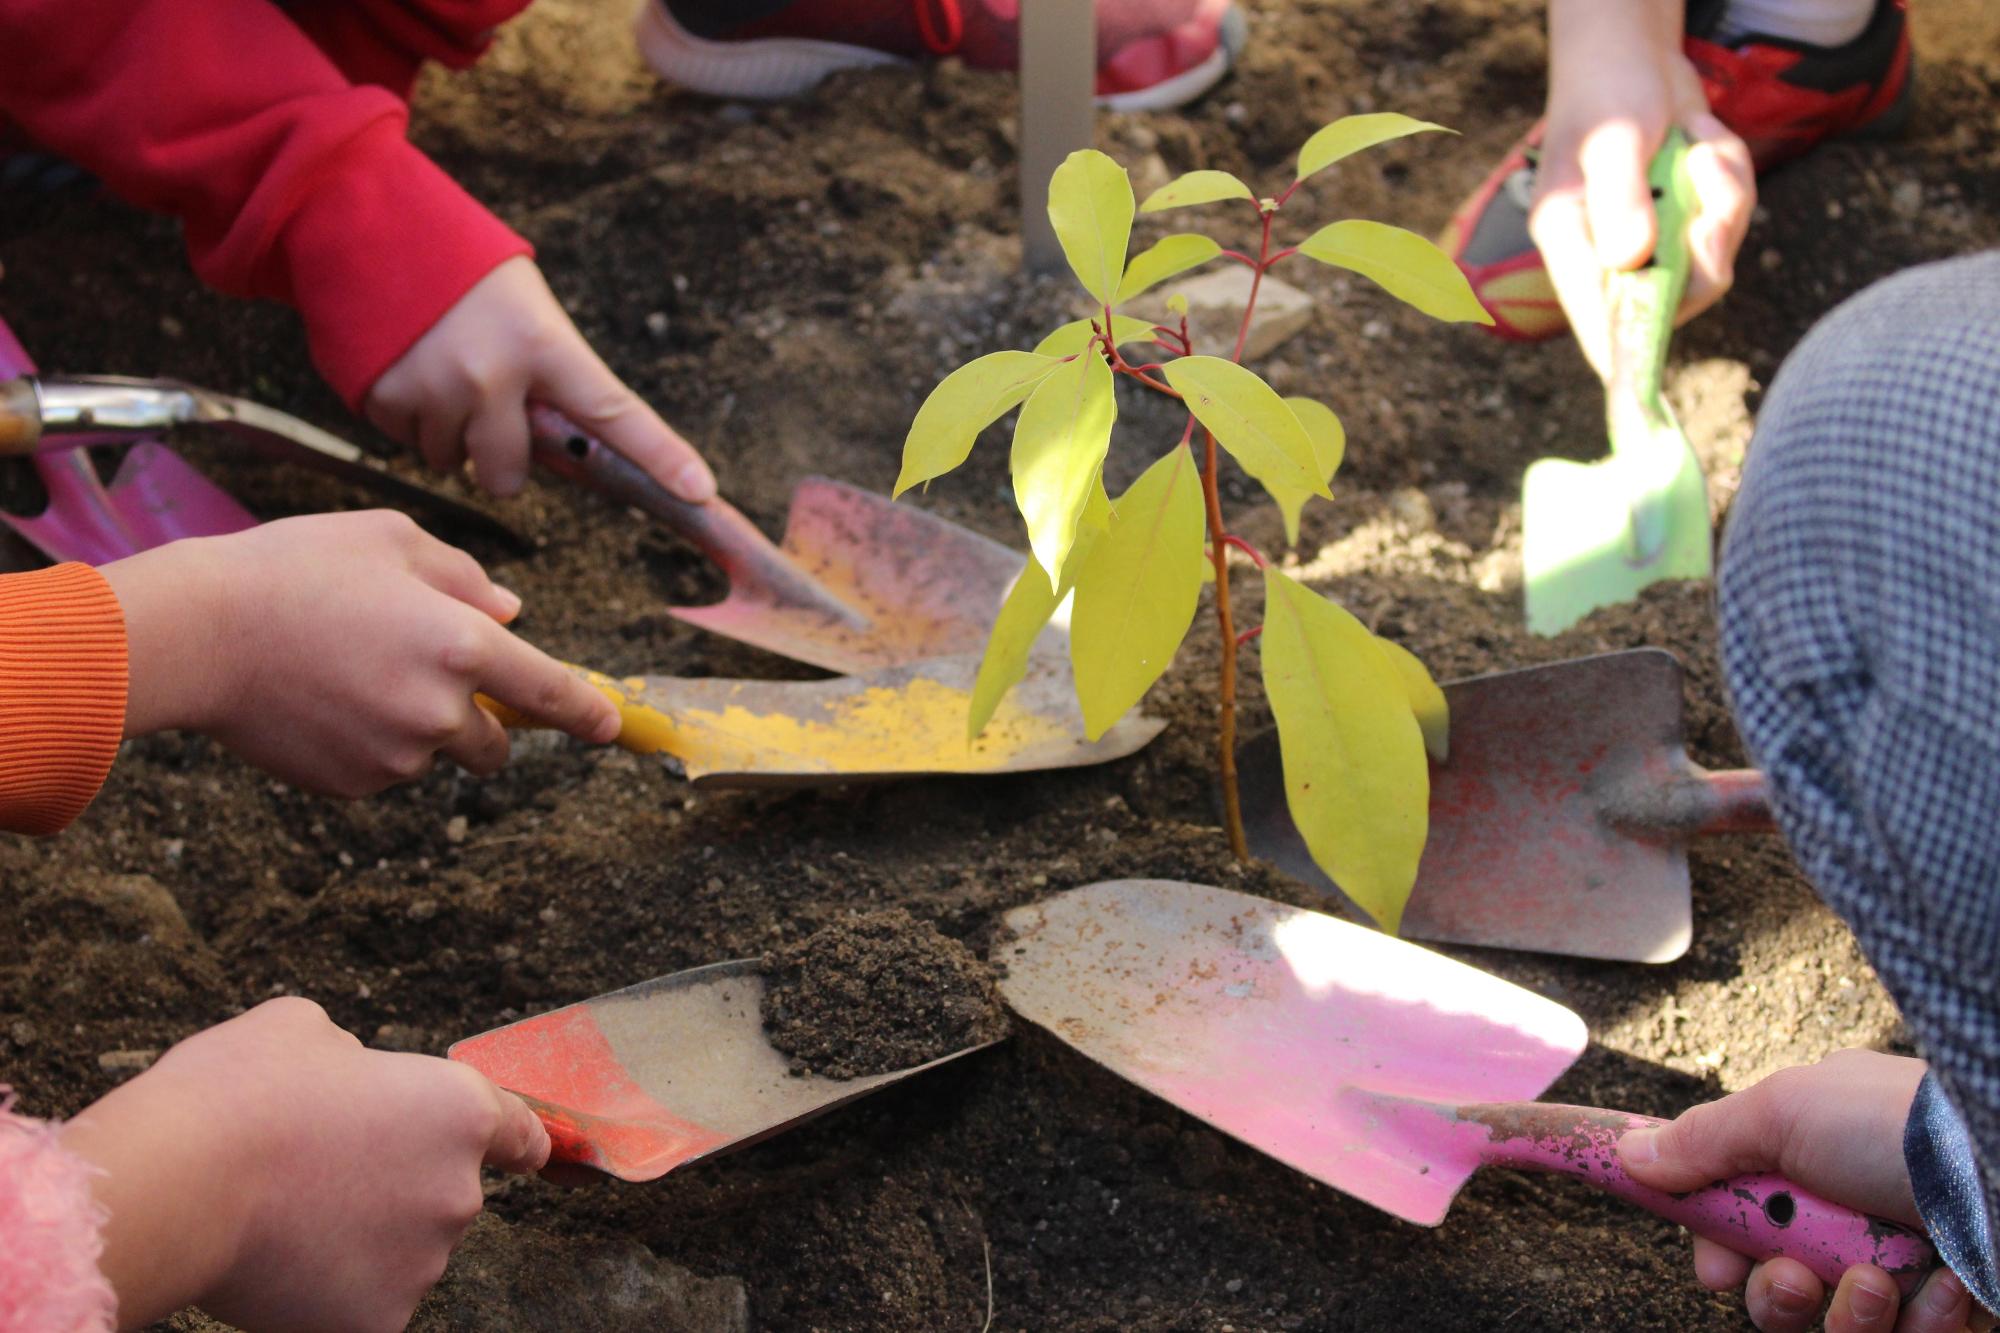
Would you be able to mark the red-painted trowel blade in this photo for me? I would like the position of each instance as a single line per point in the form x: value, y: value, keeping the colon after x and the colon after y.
x: 646, y: 1079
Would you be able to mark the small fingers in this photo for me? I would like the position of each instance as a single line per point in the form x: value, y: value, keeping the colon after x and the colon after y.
x: 480, y: 745
x: 520, y: 1140
x: 1866, y: 1301
x: 543, y: 689
x: 1725, y: 188
x: 1941, y: 1305
x: 1561, y: 229
x: 1617, y: 196
x: 575, y: 382
x: 1783, y: 1296
x: 496, y: 439
x: 1718, y: 1267
x: 457, y: 575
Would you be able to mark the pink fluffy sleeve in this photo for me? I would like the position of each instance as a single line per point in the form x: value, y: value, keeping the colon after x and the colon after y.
x: 49, y: 1233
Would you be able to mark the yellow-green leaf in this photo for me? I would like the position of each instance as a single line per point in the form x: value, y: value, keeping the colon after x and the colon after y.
x: 1059, y: 446
x: 1096, y: 517
x: 1356, y: 780
x: 1136, y: 591
x: 1196, y: 187
x: 1169, y: 255
x: 1250, y: 421
x: 1329, y: 440
x: 1409, y: 267
x: 1351, y: 134
x: 1074, y: 336
x: 1427, y: 701
x: 1178, y: 304
x: 964, y: 403
x: 1022, y: 616
x: 1090, y: 206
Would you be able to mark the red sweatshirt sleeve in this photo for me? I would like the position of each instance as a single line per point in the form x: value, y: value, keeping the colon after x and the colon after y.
x: 292, y: 182
x: 62, y: 694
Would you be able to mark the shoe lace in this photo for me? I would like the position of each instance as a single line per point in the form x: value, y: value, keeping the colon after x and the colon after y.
x: 942, y: 25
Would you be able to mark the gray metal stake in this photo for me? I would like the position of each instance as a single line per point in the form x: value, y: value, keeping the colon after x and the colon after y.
x: 1058, y: 87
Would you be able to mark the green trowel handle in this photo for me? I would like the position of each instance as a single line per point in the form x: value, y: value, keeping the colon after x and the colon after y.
x: 1642, y: 302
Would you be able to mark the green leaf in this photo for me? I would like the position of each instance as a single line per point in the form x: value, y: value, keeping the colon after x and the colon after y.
x: 1250, y: 421
x: 1196, y: 187
x: 1329, y: 441
x: 1178, y: 304
x: 1030, y: 603
x: 1059, y: 446
x: 1090, y: 206
x: 1022, y: 616
x: 1409, y: 267
x: 1136, y: 591
x: 1169, y: 255
x: 1351, y: 134
x: 1356, y: 780
x: 964, y: 403
x: 1074, y: 336
x: 1427, y: 701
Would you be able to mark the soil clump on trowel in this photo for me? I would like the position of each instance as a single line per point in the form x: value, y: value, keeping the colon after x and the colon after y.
x: 876, y: 993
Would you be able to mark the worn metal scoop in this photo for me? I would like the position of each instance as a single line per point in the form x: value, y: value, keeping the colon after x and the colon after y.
x: 640, y: 1081
x: 1595, y: 534
x: 40, y: 415
x: 899, y: 722
x: 1561, y: 821
x: 1375, y: 1066
x: 860, y: 582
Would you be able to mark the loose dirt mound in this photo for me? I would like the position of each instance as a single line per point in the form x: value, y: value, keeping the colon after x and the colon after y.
x: 875, y: 994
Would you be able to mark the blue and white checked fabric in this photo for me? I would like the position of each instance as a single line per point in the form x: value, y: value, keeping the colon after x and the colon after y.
x: 1860, y: 608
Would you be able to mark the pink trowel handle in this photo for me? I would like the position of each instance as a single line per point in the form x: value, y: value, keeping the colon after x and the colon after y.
x: 755, y: 565
x: 1762, y: 1216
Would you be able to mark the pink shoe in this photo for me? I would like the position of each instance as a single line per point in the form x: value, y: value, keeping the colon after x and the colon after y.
x: 1151, y: 53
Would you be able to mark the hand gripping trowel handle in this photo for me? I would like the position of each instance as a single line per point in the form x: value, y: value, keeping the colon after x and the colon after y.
x: 721, y: 532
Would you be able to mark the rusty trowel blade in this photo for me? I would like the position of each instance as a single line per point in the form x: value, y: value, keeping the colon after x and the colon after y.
x: 921, y: 585
x: 645, y: 1079
x: 1521, y: 854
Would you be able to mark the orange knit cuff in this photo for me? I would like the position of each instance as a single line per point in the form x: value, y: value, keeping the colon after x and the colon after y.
x: 62, y: 694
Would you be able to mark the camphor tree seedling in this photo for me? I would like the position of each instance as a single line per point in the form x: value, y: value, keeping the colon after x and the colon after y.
x: 1355, y: 713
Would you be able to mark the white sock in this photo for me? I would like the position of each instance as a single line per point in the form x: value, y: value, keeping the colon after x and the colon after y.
x: 1818, y: 22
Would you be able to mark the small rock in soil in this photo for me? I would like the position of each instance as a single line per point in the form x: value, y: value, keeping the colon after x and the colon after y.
x: 876, y: 993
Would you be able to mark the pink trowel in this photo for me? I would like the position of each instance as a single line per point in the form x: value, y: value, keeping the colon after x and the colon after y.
x: 1376, y: 1066
x: 154, y: 498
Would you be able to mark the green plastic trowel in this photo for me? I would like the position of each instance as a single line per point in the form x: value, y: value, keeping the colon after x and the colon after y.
x: 1595, y: 534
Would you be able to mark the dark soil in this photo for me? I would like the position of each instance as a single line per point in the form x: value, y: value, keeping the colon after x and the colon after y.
x: 786, y: 283
x: 876, y: 993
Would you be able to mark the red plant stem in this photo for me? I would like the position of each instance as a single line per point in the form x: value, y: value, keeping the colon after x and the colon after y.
x: 1248, y: 635
x: 1256, y: 281
x: 1232, y: 802
x: 1231, y: 539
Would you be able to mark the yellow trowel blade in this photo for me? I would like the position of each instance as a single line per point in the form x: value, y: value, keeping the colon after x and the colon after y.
x: 900, y: 722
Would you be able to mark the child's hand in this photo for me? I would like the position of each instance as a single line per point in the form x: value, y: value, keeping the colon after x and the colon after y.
x: 1835, y: 1128
x: 462, y: 390
x: 1617, y: 82
x: 279, y: 1175
x: 339, y: 652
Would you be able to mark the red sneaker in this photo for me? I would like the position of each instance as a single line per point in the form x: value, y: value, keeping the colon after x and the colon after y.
x: 1151, y: 53
x: 1782, y: 97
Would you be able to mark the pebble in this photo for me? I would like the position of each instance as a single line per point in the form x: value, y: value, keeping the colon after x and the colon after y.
x: 656, y: 323
x: 1233, y: 1286
x: 455, y: 829
x: 126, y: 1062
x: 1907, y: 198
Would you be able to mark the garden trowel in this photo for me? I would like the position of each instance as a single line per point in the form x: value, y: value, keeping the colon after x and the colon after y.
x: 1372, y: 1065
x: 897, y: 722
x: 859, y: 583
x: 40, y: 415
x: 1595, y: 534
x: 1559, y: 824
x: 640, y: 1081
